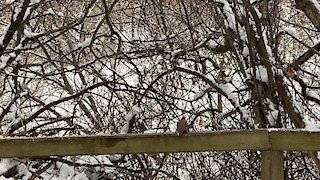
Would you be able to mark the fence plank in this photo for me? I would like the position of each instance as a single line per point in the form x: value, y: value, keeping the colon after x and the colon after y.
x: 151, y: 143
x: 295, y: 140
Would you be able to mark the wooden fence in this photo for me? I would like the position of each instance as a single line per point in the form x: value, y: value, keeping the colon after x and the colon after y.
x: 270, y: 142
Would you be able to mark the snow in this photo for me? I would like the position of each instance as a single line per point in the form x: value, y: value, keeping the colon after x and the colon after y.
x: 3, y: 35
x: 242, y: 34
x: 94, y: 160
x: 135, y: 110
x: 59, y: 13
x: 50, y: 11
x: 164, y: 37
x: 9, y: 1
x: 227, y: 11
x: 5, y: 164
x: 19, y: 46
x: 291, y: 30
x: 65, y: 170
x: 125, y: 129
x: 245, y: 112
x: 57, y: 172
x: 212, y: 44
x: 310, y: 126
x: 85, y: 43
x: 27, y: 13
x: 316, y: 4
x: 313, y: 94
x: 3, y: 61
x: 30, y: 34
x: 216, y: 42
x: 261, y: 74
x: 268, y: 48
x: 1, y: 39
x: 272, y: 116
x: 80, y: 176
x: 24, y: 172
x: 12, y: 54
x: 175, y: 52
x: 34, y: 2
x: 16, y: 13
x: 245, y: 51
x: 258, y: 12
x: 199, y: 94
x: 23, y: 94
x: 62, y: 170
x: 228, y: 90
x: 182, y: 173
x: 4, y: 178
x: 153, y: 131
x: 273, y: 129
x: 203, y: 55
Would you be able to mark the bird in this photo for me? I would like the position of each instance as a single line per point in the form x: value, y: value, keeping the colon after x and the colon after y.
x: 182, y: 126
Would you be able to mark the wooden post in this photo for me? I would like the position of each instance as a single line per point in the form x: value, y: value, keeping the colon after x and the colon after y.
x: 272, y: 165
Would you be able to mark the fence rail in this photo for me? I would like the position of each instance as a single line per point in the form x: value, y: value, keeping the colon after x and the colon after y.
x: 270, y: 142
x: 264, y: 140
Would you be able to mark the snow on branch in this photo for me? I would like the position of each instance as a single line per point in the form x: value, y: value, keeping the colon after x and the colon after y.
x: 135, y: 110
